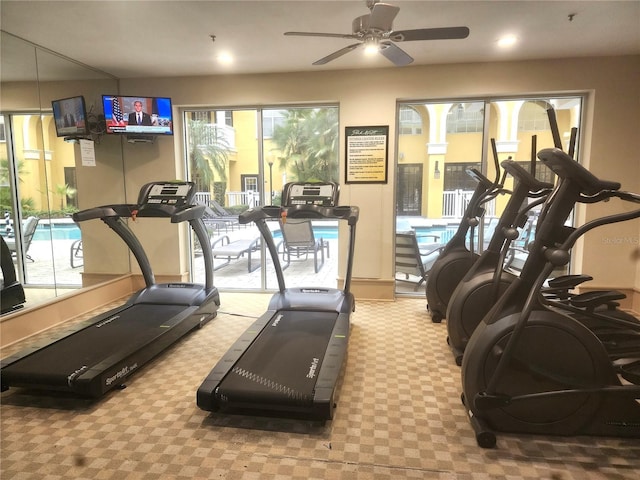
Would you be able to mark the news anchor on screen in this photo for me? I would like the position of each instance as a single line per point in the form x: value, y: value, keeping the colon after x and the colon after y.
x: 139, y: 117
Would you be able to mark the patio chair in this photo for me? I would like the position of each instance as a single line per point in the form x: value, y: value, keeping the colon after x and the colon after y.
x: 28, y: 231
x: 298, y: 239
x: 225, y: 249
x: 412, y: 260
x: 76, y: 254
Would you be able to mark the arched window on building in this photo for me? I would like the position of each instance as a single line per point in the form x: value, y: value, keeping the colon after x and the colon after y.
x: 465, y: 119
x: 410, y: 121
x: 533, y: 116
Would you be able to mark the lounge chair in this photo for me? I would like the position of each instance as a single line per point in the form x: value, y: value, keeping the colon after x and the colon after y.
x: 219, y: 218
x: 225, y: 249
x: 413, y: 260
x: 298, y: 239
x: 220, y: 210
x: 28, y: 231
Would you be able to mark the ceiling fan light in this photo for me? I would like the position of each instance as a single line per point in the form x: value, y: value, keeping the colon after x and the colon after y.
x: 371, y: 46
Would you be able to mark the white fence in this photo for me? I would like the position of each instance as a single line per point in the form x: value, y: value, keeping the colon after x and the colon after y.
x: 252, y: 199
x: 454, y: 203
x: 203, y: 198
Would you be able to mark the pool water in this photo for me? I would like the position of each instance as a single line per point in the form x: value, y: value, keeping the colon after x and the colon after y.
x: 325, y: 232
x: 57, y: 231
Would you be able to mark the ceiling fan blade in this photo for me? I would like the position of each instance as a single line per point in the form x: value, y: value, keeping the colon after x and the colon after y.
x: 382, y: 16
x: 446, y: 33
x: 392, y: 52
x: 321, y: 34
x: 336, y: 54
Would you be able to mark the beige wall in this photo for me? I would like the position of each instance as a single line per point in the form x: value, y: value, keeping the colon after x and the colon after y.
x: 610, y: 140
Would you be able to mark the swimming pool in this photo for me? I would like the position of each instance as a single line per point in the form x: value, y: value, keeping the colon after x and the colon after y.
x: 57, y: 231
x: 327, y: 232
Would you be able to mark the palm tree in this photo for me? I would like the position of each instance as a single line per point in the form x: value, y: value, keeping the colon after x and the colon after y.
x: 6, y: 202
x: 208, y: 155
x: 65, y: 191
x: 308, y: 142
x: 322, y: 144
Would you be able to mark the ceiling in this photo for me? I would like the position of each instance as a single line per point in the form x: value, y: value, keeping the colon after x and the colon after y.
x: 129, y: 39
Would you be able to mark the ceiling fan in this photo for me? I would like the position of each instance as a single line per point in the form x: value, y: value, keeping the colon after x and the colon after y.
x: 375, y: 32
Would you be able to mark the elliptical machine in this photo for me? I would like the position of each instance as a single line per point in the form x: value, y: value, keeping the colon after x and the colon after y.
x: 486, y: 280
x: 529, y: 368
x: 456, y: 259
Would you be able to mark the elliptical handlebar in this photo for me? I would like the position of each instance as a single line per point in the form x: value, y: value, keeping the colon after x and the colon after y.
x: 566, y: 167
x: 533, y: 184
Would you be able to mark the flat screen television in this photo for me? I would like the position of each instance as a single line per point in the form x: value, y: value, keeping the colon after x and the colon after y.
x: 137, y: 115
x: 70, y: 117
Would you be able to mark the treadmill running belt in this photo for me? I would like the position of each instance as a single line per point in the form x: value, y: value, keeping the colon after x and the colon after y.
x: 123, y: 331
x: 282, y: 364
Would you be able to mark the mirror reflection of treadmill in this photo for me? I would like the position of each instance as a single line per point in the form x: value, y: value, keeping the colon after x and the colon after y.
x: 101, y: 353
x: 288, y: 362
x: 12, y: 295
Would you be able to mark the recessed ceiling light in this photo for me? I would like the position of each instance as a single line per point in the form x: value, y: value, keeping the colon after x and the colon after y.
x: 225, y: 58
x: 507, y: 41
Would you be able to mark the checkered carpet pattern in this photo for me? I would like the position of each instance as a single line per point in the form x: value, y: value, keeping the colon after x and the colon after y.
x: 399, y: 416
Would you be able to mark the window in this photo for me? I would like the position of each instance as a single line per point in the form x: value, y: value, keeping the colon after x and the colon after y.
x: 270, y: 120
x: 543, y: 173
x: 410, y: 122
x: 238, y: 164
x: 457, y: 178
x: 533, y: 116
x: 463, y: 118
x: 228, y: 118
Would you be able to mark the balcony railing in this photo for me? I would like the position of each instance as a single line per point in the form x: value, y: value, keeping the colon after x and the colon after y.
x: 216, y: 132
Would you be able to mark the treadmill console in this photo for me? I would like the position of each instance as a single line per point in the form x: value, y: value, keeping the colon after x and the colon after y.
x: 175, y: 194
x: 317, y: 193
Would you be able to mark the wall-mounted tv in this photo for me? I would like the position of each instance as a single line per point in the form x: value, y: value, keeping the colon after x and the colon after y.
x: 138, y: 115
x: 70, y: 117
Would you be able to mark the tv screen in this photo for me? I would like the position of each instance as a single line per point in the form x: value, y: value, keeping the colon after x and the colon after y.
x: 138, y: 115
x: 70, y: 117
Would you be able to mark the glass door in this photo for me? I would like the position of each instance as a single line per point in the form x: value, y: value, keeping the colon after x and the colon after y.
x: 458, y: 135
x: 430, y: 197
x: 242, y: 158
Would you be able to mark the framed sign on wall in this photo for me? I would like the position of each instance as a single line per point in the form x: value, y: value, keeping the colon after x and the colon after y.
x: 367, y: 154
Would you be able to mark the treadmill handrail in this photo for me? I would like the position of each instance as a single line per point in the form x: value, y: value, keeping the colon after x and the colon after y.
x: 349, y: 213
x: 119, y: 210
x: 113, y: 216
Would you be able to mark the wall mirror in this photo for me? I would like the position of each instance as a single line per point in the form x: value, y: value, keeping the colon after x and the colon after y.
x: 43, y: 178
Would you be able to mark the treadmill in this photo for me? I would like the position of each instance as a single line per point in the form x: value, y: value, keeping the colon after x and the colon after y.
x: 288, y: 362
x: 101, y: 353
